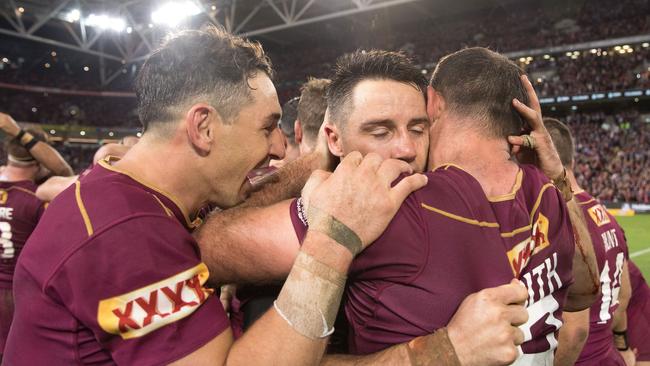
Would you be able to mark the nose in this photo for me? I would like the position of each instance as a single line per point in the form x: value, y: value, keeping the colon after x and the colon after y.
x: 404, y: 149
x: 278, y: 145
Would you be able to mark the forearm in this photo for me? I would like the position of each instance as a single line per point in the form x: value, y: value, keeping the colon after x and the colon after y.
x: 619, y: 321
x: 298, y: 335
x: 572, y: 338
x: 251, y: 245
x: 432, y: 350
x: 51, y: 159
x: 586, y: 286
x: 285, y: 183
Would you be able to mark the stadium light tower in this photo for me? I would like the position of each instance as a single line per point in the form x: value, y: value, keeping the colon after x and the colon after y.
x: 171, y: 14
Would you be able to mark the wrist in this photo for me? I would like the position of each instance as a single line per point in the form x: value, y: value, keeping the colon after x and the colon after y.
x: 561, y: 182
x: 433, y: 349
x: 327, y: 250
x: 620, y: 340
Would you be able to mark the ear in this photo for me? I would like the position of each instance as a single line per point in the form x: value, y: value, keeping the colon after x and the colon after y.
x: 297, y: 130
x: 201, y: 122
x: 435, y: 104
x: 334, y: 142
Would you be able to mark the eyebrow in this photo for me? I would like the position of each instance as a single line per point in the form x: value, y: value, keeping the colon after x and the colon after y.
x: 389, y: 123
x: 273, y: 118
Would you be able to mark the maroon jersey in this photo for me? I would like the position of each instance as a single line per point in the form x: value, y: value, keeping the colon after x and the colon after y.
x: 611, y: 251
x: 20, y: 211
x: 111, y: 275
x: 638, y: 314
x: 449, y: 240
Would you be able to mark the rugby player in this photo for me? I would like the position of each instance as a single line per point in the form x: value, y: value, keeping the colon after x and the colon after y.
x: 392, y: 116
x: 311, y: 112
x: 611, y: 252
x: 286, y: 126
x: 638, y: 316
x: 20, y: 211
x: 481, y: 220
x: 46, y: 155
x: 112, y: 274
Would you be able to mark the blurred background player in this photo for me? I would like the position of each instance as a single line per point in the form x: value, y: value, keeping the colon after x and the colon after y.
x: 638, y: 317
x: 286, y: 124
x: 311, y: 112
x: 593, y: 327
x: 20, y: 211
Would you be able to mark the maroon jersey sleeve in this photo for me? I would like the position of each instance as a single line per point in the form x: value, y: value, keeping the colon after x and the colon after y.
x: 148, y: 305
x: 298, y: 218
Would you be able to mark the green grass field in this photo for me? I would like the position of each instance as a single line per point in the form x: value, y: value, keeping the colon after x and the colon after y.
x: 637, y: 231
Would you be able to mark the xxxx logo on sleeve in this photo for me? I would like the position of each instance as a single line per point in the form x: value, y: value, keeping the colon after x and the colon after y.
x: 142, y: 311
x: 598, y: 214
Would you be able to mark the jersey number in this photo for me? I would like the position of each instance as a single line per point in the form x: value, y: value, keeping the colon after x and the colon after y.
x: 8, y: 250
x: 610, y: 287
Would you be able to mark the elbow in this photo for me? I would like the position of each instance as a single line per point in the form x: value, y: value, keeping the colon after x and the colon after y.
x: 579, y: 302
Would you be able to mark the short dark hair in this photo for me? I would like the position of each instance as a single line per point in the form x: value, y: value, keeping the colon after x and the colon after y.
x: 562, y: 139
x: 312, y: 106
x: 481, y: 84
x: 352, y: 68
x: 191, y: 63
x: 289, y: 115
x: 18, y: 151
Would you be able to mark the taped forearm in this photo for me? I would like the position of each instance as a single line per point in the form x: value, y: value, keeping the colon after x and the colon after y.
x: 310, y: 298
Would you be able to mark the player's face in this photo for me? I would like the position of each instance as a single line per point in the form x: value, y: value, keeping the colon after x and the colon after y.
x: 249, y: 142
x: 388, y: 118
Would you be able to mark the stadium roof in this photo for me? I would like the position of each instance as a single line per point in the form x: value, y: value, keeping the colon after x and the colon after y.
x: 120, y: 32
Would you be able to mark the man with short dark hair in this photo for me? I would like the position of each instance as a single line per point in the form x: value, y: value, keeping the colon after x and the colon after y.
x: 608, y: 312
x: 20, y: 211
x: 481, y: 220
x: 311, y: 111
x: 112, y: 273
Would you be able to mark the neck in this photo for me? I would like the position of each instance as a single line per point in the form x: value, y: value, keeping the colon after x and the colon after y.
x: 163, y: 165
x: 486, y: 159
x: 575, y: 187
x: 12, y: 173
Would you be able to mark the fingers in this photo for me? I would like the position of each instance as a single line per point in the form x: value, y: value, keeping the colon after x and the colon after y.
x: 390, y: 169
x: 518, y: 336
x: 371, y: 162
x: 512, y: 293
x: 530, y: 115
x: 516, y: 314
x: 350, y: 162
x: 532, y: 96
x: 406, y: 186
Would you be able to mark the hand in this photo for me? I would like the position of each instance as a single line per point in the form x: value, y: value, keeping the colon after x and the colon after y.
x: 629, y: 357
x: 484, y: 329
x: 9, y: 125
x: 543, y: 154
x: 359, y: 194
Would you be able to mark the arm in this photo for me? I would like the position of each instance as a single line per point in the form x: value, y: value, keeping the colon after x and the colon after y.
x: 42, y: 152
x: 249, y: 245
x: 572, y: 338
x: 295, y: 331
x: 585, y: 288
x: 468, y: 339
x: 53, y: 186
x: 619, y: 323
x: 286, y: 182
